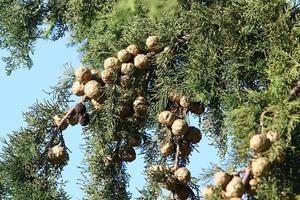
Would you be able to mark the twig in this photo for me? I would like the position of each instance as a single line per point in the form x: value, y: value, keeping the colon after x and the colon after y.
x: 246, y: 177
x: 57, y: 130
x: 67, y: 115
x: 176, y: 157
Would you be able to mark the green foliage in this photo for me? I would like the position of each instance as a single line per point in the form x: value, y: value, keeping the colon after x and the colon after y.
x: 239, y: 58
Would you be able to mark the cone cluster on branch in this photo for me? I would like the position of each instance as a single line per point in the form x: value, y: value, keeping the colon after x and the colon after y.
x: 77, y: 115
x: 261, y: 163
x: 181, y: 134
x: 179, y: 145
x: 174, y: 180
x: 185, y: 103
x: 230, y: 185
x: 57, y: 154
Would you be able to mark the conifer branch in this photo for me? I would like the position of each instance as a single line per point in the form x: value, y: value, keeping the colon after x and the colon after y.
x: 67, y: 115
x: 176, y: 156
x: 57, y: 130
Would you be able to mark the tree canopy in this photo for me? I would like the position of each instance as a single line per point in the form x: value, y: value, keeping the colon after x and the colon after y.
x: 239, y: 59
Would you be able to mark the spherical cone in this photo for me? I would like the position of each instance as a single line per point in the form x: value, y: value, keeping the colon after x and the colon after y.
x: 124, y: 55
x: 127, y: 154
x: 57, y: 154
x: 78, y: 88
x: 260, y: 143
x: 166, y: 118
x: 125, y: 81
x: 183, y: 175
x: 182, y: 192
x: 80, y: 108
x: 108, y: 76
x: 96, y: 104
x: 185, y: 149
x: 179, y: 127
x: 193, y: 135
x: 170, y: 183
x: 221, y: 179
x: 84, y: 119
x: 124, y: 111
x: 184, y: 102
x: 152, y: 42
x: 259, y: 166
x: 73, y: 119
x: 111, y: 63
x: 281, y: 156
x: 197, y: 108
x: 167, y: 149
x: 57, y: 120
x: 133, y: 49
x: 273, y: 136
x: 134, y: 139
x: 207, y: 192
x: 141, y: 61
x: 234, y: 188
x: 93, y: 89
x: 139, y: 106
x: 253, y: 183
x: 174, y: 97
x: 83, y: 74
x: 127, y: 68
x: 139, y: 100
x: 96, y: 75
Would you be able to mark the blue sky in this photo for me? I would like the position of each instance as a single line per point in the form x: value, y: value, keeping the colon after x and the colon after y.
x: 24, y: 87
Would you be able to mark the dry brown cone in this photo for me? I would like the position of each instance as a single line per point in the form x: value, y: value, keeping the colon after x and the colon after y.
x: 112, y: 63
x: 182, y: 192
x: 260, y: 143
x: 134, y: 139
x: 193, y: 135
x: 57, y: 120
x: 124, y: 111
x: 221, y: 179
x: 96, y: 104
x: 197, y: 108
x: 179, y: 127
x: 83, y: 74
x: 139, y: 105
x: 78, y: 88
x: 73, y: 119
x: 273, y: 136
x: 133, y: 49
x: 57, y: 154
x: 281, y: 156
x: 170, y: 183
x: 127, y: 68
x: 183, y: 175
x: 207, y: 192
x: 174, y: 97
x: 84, y: 119
x: 109, y: 76
x: 185, y: 148
x: 234, y: 188
x: 184, y: 102
x: 125, y: 81
x: 124, y: 56
x: 93, y: 89
x: 141, y: 61
x: 167, y: 149
x: 166, y: 118
x: 108, y: 160
x: 152, y: 42
x: 260, y: 166
x: 127, y: 154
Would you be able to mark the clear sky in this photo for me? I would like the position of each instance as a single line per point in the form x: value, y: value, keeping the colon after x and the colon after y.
x: 24, y: 87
